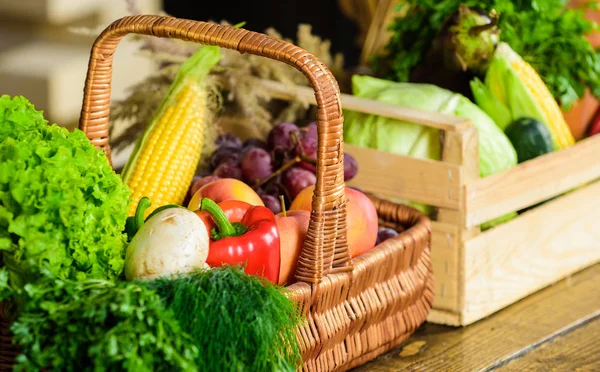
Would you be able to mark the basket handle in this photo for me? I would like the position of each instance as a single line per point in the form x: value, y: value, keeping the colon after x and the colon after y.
x: 325, y: 249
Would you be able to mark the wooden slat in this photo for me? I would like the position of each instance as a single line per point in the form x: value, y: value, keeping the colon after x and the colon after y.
x: 460, y: 148
x: 533, y: 181
x: 378, y: 33
x: 495, y: 340
x: 349, y: 102
x: 444, y: 317
x: 576, y: 350
x: 431, y: 182
x: 538, y: 248
x: 361, y: 12
x: 445, y: 262
x: 430, y: 119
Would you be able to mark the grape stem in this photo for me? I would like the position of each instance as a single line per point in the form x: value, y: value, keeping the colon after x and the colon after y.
x: 307, y: 159
x: 295, y: 140
x: 279, y: 171
x: 302, y: 157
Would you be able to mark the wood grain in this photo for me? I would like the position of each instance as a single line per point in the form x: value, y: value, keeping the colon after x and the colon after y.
x: 576, y: 350
x: 530, y: 252
x: 395, y: 176
x: 378, y: 34
x: 533, y: 181
x: 461, y: 148
x: 361, y: 12
x: 495, y: 340
x: 445, y: 263
x: 444, y: 317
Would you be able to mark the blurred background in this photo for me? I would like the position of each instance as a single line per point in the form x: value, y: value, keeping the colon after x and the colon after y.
x: 43, y: 57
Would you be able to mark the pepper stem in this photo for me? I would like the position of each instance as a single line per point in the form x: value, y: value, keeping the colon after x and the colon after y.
x: 225, y: 227
x: 133, y: 223
x: 143, y: 204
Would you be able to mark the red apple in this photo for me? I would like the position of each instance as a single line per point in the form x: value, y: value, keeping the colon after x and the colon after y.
x: 361, y: 217
x: 292, y: 227
x: 225, y: 189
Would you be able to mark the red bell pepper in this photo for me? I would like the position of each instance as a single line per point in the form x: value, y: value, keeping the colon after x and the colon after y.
x: 235, y: 210
x: 244, y: 234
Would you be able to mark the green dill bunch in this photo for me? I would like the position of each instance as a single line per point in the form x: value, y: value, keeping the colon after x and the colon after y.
x: 238, y: 321
x: 61, y: 204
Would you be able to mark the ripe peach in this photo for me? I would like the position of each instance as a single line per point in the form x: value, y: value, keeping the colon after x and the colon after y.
x: 225, y: 189
x: 292, y: 227
x: 361, y: 217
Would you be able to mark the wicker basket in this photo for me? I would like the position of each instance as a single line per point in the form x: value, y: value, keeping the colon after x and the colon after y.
x: 355, y: 309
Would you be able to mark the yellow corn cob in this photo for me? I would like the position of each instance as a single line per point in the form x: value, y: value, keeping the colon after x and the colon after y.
x: 165, y: 159
x: 554, y: 117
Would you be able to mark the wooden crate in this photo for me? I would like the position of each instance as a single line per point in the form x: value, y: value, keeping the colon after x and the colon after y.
x: 478, y: 273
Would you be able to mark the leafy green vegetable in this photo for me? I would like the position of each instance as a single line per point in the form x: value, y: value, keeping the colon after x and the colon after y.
x: 61, y: 204
x: 473, y: 38
x: 508, y: 88
x: 496, y: 153
x: 404, y: 138
x: 238, y: 321
x: 498, y: 221
x: 506, y: 97
x: 97, y: 325
x: 460, y: 52
x: 544, y: 33
x: 490, y: 105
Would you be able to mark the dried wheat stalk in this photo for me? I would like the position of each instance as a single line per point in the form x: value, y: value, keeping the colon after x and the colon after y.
x: 240, y: 72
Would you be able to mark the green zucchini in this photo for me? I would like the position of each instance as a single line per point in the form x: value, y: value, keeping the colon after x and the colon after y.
x: 530, y: 138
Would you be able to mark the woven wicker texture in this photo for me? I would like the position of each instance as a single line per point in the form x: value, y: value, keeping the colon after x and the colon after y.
x: 355, y: 309
x: 328, y: 217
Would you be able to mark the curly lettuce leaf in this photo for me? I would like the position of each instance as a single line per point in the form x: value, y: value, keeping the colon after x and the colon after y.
x: 61, y: 204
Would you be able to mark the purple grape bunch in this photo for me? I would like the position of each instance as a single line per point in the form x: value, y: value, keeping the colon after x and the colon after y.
x: 283, y: 165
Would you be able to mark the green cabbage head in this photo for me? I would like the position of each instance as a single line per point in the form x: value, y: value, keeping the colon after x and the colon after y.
x: 496, y: 153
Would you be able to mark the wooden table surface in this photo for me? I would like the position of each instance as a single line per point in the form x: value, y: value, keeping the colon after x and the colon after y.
x: 555, y: 329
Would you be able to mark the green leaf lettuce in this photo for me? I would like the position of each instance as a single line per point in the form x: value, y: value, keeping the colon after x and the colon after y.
x: 61, y: 204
